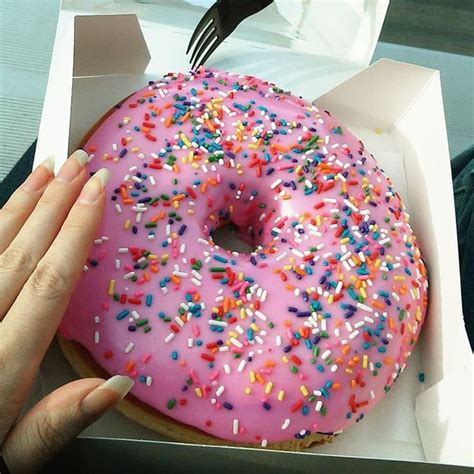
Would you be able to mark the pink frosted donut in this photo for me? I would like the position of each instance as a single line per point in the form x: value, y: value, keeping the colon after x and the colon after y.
x: 302, y: 336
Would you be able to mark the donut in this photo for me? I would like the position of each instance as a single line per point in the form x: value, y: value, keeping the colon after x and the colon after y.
x: 284, y: 345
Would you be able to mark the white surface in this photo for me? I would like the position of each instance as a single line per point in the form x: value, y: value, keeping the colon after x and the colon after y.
x: 401, y: 99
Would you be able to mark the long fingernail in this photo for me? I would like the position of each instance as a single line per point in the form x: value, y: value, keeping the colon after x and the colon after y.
x: 121, y: 384
x: 94, y: 187
x: 73, y: 166
x: 40, y: 175
x: 100, y: 399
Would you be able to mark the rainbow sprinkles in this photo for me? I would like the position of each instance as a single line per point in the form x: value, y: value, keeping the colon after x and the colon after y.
x: 304, y: 334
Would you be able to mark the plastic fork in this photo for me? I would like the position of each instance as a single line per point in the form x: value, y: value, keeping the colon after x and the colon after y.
x: 217, y: 24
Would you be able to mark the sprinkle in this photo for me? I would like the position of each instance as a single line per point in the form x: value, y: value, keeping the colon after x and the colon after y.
x: 304, y: 390
x: 276, y: 183
x: 325, y: 354
x: 350, y: 205
x: 236, y: 343
x: 285, y: 424
x: 111, y: 288
x: 235, y: 427
x: 123, y: 314
x: 222, y: 324
x: 354, y: 334
x: 365, y: 307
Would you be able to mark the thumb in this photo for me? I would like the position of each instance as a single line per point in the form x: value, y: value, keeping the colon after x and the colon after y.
x: 58, y: 418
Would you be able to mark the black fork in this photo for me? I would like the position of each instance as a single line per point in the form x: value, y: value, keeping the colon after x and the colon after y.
x: 218, y: 23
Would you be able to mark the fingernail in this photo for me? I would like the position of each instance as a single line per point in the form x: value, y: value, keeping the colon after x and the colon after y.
x: 121, y: 384
x: 40, y: 175
x: 100, y: 399
x: 73, y: 166
x: 94, y: 187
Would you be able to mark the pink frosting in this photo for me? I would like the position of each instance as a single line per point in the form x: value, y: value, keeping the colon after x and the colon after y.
x: 305, y: 334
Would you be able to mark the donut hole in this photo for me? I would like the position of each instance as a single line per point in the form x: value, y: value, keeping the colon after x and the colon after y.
x: 228, y: 237
x: 242, y: 223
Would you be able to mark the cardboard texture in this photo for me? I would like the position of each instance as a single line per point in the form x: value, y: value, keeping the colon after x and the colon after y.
x: 396, y: 109
x: 93, y: 54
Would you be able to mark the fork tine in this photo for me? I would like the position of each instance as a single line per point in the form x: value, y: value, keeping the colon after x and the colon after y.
x: 197, y: 44
x: 208, y: 34
x: 202, y: 23
x: 210, y: 42
x: 213, y: 47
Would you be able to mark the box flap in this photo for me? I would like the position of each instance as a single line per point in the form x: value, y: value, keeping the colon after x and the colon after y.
x: 377, y: 107
x: 91, y: 90
x: 109, y: 44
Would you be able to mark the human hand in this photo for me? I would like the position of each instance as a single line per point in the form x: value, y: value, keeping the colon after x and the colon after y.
x: 46, y: 231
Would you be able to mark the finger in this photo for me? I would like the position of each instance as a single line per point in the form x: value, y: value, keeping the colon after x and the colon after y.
x: 20, y: 205
x: 33, y: 319
x: 59, y: 418
x: 19, y: 260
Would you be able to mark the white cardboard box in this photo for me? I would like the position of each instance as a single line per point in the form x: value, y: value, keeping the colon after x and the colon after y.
x: 396, y: 109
